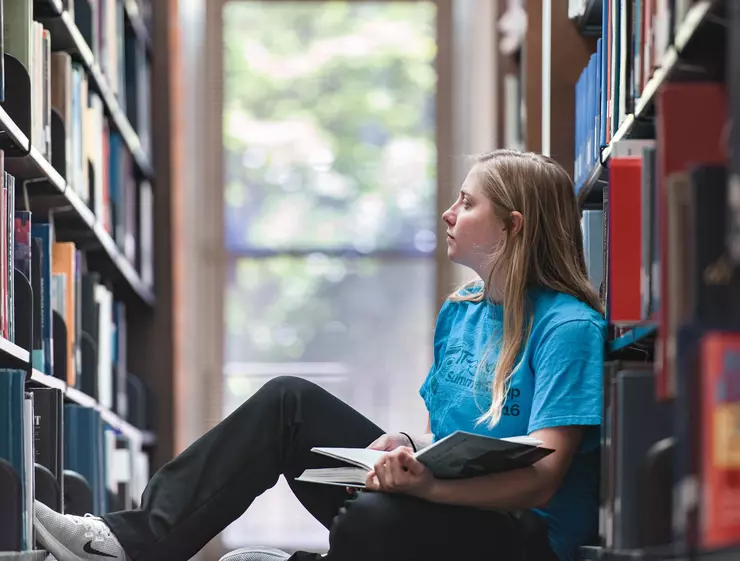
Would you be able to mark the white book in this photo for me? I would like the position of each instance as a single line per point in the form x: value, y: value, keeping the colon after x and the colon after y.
x: 29, y: 453
x: 461, y: 454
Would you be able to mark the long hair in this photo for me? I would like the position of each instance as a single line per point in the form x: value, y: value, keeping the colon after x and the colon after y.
x: 546, y: 252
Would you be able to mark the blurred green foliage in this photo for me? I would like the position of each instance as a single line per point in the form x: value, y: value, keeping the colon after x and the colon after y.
x: 329, y: 143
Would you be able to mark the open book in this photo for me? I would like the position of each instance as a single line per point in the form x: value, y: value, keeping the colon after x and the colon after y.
x: 461, y: 454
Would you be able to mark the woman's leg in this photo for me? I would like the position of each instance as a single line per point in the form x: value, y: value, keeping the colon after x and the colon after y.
x: 211, y: 484
x: 378, y: 526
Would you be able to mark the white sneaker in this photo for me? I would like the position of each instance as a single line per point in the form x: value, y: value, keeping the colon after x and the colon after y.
x: 255, y: 554
x: 75, y: 538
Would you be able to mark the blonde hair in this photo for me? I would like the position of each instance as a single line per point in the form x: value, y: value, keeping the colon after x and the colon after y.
x: 546, y: 252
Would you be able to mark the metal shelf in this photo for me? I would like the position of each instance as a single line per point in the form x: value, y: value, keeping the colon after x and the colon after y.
x: 667, y: 553
x: 38, y: 555
x: 13, y: 353
x: 47, y: 381
x: 634, y: 335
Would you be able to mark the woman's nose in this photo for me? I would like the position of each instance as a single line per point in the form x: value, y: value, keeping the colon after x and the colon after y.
x: 448, y: 217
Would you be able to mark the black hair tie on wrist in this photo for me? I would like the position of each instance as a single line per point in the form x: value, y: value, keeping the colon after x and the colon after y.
x: 411, y: 440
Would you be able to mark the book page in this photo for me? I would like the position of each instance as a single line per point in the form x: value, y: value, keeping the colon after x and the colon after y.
x: 346, y: 477
x: 362, y: 457
x: 528, y: 440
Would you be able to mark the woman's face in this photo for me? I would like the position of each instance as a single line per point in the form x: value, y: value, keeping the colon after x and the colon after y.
x: 473, y: 229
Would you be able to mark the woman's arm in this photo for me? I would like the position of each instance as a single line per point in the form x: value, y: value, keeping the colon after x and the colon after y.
x: 426, y: 439
x: 568, y: 368
x: 530, y: 487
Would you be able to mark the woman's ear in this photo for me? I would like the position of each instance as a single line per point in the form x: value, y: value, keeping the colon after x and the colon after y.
x: 516, y: 223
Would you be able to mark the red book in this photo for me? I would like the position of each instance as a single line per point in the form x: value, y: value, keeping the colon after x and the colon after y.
x: 720, y: 456
x: 691, y: 118
x: 625, y: 239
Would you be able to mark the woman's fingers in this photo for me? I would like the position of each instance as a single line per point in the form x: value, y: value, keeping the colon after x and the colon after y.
x: 372, y: 482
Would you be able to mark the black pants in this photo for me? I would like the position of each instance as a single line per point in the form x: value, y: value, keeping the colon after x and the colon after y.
x: 196, y: 495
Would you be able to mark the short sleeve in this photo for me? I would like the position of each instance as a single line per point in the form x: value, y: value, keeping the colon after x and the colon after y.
x: 426, y: 387
x: 568, y: 367
x: 441, y: 330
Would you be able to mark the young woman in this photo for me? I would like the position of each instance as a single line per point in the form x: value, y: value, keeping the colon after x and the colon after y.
x: 520, y: 352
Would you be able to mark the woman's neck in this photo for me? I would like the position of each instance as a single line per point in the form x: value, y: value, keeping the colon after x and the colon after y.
x: 495, y: 293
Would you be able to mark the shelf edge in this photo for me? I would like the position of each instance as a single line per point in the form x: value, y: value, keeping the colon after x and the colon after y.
x: 11, y: 349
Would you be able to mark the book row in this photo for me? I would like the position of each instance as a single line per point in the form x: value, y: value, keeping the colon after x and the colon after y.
x: 630, y: 52
x: 77, y: 94
x: 78, y: 331
x: 63, y: 454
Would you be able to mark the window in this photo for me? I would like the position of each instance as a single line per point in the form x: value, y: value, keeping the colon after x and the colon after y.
x: 330, y: 170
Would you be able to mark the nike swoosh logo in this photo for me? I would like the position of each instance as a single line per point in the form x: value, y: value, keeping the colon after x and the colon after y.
x: 88, y: 548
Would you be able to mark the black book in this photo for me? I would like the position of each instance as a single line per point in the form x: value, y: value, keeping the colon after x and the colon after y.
x: 459, y: 455
x: 716, y: 284
x: 49, y: 430
x: 89, y: 339
x: 733, y: 81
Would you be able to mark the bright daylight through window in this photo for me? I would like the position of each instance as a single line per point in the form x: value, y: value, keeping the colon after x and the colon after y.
x: 330, y: 167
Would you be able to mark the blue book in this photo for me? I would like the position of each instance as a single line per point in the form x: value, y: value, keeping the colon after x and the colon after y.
x: 604, y: 69
x: 590, y: 112
x: 83, y: 449
x: 12, y: 428
x: 116, y: 180
x: 578, y: 175
x: 44, y: 361
x: 597, y: 100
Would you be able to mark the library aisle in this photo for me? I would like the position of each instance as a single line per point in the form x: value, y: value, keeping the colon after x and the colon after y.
x: 104, y: 148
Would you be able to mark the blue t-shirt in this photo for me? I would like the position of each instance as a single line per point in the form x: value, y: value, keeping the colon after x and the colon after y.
x: 558, y: 383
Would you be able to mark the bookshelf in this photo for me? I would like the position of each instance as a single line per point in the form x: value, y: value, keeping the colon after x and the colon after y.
x: 79, y: 294
x: 645, y: 93
x: 66, y: 36
x: 686, y: 36
x: 69, y: 205
x: 652, y: 90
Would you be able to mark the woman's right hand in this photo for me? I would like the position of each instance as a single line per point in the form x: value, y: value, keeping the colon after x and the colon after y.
x: 389, y: 442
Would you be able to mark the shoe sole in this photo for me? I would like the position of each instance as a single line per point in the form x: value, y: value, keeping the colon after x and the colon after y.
x: 276, y: 553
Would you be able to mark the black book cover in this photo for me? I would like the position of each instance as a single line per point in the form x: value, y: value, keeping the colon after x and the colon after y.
x: 733, y: 80
x: 38, y: 339
x: 686, y: 458
x: 49, y: 429
x: 89, y: 334
x: 120, y: 368
x: 643, y: 422
x: 716, y: 283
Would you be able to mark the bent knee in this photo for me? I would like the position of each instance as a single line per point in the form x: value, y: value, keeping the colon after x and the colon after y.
x: 281, y: 385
